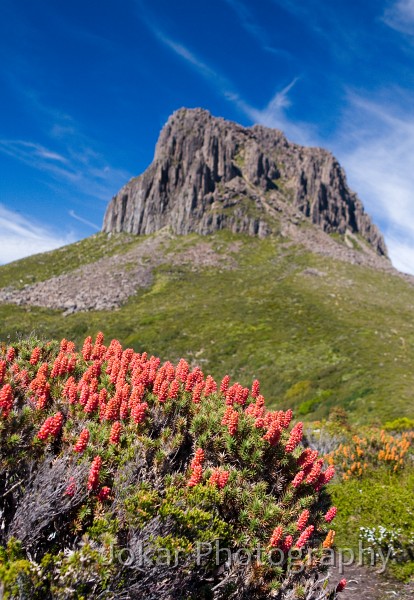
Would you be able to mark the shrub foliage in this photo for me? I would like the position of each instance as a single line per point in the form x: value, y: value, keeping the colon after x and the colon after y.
x: 121, y: 477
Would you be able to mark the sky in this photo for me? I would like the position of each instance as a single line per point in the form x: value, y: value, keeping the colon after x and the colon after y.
x: 86, y: 88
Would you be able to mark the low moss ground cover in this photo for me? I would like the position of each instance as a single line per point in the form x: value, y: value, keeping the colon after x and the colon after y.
x: 341, y: 337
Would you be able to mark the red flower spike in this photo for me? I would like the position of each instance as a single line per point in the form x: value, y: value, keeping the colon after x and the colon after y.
x: 255, y: 388
x: 11, y: 354
x: 226, y: 416
x: 224, y: 386
x: 331, y: 514
x: 174, y: 389
x: 93, y: 479
x: 276, y: 537
x: 307, y: 457
x: 298, y: 479
x: 115, y: 433
x: 92, y: 403
x: 341, y: 586
x: 51, y: 427
x: 34, y: 358
x: 315, y: 471
x: 196, y: 476
x: 103, y: 396
x: 112, y: 409
x: 2, y: 370
x: 233, y: 422
x: 6, y: 400
x: 304, y: 537
x: 328, y: 474
x: 223, y: 479
x: 219, y: 478
x: 210, y: 387
x: 138, y: 412
x: 273, y: 434
x: 71, y: 488
x: 124, y: 410
x: 287, y: 418
x: 303, y: 519
x: 182, y: 371
x: 197, y: 392
x: 198, y: 458
x: 287, y: 544
x: 87, y: 348
x: 104, y: 493
x: 295, y: 437
x: 163, y: 391
x: 82, y: 442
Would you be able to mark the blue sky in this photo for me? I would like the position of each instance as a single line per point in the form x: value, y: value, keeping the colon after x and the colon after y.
x: 87, y: 86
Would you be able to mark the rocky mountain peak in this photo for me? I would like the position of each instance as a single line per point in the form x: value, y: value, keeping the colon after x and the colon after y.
x: 210, y: 174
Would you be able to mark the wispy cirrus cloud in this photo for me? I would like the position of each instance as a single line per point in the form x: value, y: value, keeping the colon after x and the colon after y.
x: 83, y: 220
x: 22, y: 236
x: 250, y: 25
x: 272, y: 115
x: 376, y: 146
x: 400, y: 16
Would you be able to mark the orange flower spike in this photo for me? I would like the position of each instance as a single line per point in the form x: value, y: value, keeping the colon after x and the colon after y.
x: 329, y: 540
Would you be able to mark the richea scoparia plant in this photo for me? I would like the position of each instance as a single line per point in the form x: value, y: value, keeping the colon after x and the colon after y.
x: 121, y: 477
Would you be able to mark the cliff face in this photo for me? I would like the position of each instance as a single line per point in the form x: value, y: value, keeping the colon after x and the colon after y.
x: 211, y: 174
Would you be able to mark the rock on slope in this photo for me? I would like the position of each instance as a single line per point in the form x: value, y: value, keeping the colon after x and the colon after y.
x: 210, y: 174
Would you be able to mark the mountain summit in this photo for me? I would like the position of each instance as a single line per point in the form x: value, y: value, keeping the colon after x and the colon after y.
x: 210, y: 174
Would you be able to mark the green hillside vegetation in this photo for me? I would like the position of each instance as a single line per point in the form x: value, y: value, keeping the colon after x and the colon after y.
x: 338, y: 335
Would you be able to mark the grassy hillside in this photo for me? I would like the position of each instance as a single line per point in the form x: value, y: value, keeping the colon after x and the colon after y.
x: 318, y: 333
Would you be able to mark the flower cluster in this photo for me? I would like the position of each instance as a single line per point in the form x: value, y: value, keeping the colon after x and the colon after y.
x: 219, y: 478
x: 370, y: 451
x: 96, y: 398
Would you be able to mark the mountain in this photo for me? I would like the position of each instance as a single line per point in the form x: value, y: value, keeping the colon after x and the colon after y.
x: 210, y: 174
x: 243, y: 253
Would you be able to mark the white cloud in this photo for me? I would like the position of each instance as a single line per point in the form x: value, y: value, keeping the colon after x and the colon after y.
x: 21, y: 236
x: 377, y: 149
x: 376, y: 145
x: 84, y: 221
x: 77, y: 163
x: 272, y: 115
x: 254, y: 29
x: 400, y: 16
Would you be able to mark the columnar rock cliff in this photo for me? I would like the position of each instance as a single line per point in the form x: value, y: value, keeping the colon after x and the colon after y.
x: 211, y: 174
